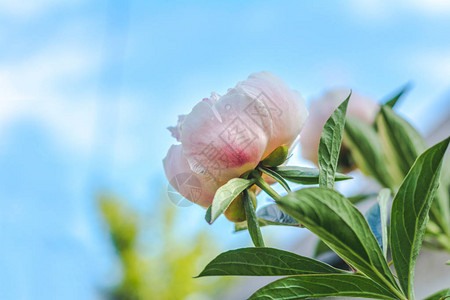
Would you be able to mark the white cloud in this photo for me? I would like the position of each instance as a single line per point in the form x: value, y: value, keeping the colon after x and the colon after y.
x: 431, y: 7
x: 372, y: 9
x: 432, y: 66
x: 381, y: 10
x: 27, y: 9
x: 33, y: 88
x: 430, y: 73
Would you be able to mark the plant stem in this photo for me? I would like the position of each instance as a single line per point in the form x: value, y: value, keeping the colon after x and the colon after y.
x: 252, y: 220
x: 266, y: 187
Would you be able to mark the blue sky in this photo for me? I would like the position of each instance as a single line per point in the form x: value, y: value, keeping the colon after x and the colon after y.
x: 87, y: 89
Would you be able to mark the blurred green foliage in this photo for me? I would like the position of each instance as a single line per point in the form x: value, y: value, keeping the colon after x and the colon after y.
x: 155, y: 262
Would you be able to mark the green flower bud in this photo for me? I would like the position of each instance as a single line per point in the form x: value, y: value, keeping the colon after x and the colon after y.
x: 236, y: 211
x: 277, y: 157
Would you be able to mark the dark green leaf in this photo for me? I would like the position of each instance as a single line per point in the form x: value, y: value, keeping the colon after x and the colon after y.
x: 330, y: 145
x: 392, y: 101
x: 304, y: 175
x: 366, y: 150
x: 342, y: 227
x: 273, y: 214
x: 439, y: 295
x: 401, y: 143
x: 264, y: 262
x: 208, y: 215
x: 383, y: 199
x: 272, y: 173
x: 323, y: 285
x: 410, y: 213
x: 225, y: 195
x: 252, y: 222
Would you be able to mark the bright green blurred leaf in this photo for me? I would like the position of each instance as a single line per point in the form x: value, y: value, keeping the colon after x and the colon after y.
x: 400, y: 141
x: 366, y: 150
x: 142, y: 273
x: 443, y: 294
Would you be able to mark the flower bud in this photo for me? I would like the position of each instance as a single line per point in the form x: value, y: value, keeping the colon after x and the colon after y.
x: 277, y: 157
x: 236, y: 211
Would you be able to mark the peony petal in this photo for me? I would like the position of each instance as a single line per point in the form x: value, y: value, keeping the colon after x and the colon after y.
x: 194, y: 187
x: 223, y: 139
x: 287, y: 108
x: 176, y: 130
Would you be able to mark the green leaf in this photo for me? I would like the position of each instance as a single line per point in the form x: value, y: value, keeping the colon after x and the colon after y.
x: 410, y: 213
x: 208, y: 215
x: 321, y: 248
x: 393, y: 100
x: 358, y: 198
x: 439, y: 295
x: 322, y: 285
x: 225, y: 195
x: 383, y: 199
x: 264, y: 262
x: 252, y: 222
x: 366, y: 150
x: 330, y: 145
x: 272, y: 173
x: 303, y: 175
x: 401, y: 143
x: 342, y: 227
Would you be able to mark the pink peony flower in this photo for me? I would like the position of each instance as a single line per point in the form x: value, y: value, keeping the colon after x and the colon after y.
x: 321, y: 109
x: 223, y: 137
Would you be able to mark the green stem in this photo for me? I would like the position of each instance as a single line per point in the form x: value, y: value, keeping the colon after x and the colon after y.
x: 266, y: 187
x: 276, y: 176
x: 252, y: 220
